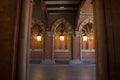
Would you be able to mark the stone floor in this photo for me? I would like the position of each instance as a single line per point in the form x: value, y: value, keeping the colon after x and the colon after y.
x: 62, y: 72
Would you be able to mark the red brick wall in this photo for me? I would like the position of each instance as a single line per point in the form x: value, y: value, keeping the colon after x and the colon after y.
x: 88, y: 54
x: 87, y: 7
x: 35, y: 55
x: 62, y: 55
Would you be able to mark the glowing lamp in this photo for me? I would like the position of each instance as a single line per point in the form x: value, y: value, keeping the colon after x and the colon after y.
x: 62, y: 37
x: 85, y: 37
x: 39, y: 37
x: 61, y: 34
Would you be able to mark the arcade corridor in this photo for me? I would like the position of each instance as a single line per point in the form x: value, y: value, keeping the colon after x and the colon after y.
x: 62, y: 72
x: 62, y: 30
x: 63, y: 40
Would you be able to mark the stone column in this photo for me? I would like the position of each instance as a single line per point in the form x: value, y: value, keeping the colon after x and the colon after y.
x: 75, y: 57
x: 23, y: 41
x: 29, y: 35
x: 48, y: 48
x: 101, y: 53
x: 53, y: 47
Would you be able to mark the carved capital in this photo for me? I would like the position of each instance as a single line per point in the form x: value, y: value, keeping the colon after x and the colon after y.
x: 49, y: 34
x: 77, y: 33
x: 70, y: 33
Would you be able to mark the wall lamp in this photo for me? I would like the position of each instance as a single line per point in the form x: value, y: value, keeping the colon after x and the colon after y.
x: 62, y: 35
x: 85, y: 38
x: 39, y: 37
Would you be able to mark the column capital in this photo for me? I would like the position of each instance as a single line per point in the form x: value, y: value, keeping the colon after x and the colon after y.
x: 70, y: 33
x: 77, y: 33
x: 49, y: 34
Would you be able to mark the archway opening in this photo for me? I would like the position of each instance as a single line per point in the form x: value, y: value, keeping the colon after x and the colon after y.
x: 87, y: 41
x: 100, y: 46
x: 36, y: 41
x: 58, y: 44
x: 62, y: 41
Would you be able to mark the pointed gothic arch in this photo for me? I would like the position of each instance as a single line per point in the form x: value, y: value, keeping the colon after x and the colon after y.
x: 85, y: 21
x: 38, y: 22
x: 64, y: 46
x: 37, y: 27
x: 58, y: 22
x: 86, y: 28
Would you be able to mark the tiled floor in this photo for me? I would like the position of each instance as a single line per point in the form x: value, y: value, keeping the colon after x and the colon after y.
x: 62, y: 72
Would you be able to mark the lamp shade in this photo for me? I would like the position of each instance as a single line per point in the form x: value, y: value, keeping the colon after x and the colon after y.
x: 62, y: 37
x: 38, y: 37
x: 85, y: 38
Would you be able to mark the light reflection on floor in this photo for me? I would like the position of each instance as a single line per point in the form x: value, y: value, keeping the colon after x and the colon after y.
x: 62, y: 72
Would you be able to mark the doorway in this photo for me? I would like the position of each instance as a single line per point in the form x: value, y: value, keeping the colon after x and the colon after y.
x: 102, y: 38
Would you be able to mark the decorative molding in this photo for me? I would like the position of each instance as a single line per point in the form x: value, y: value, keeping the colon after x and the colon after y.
x: 89, y: 15
x: 37, y: 27
x: 90, y: 19
x: 39, y: 22
x: 87, y: 50
x: 36, y: 50
x: 83, y: 18
x: 62, y: 50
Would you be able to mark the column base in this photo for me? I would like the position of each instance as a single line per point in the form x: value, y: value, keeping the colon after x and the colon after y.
x: 75, y: 62
x: 47, y: 62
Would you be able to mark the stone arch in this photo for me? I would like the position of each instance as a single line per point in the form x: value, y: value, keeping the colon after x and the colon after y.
x: 84, y: 22
x: 37, y: 27
x: 58, y: 22
x: 39, y: 23
x: 65, y: 45
x: 86, y: 28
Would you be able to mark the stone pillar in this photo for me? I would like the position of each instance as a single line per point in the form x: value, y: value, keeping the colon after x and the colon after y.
x: 75, y: 57
x: 23, y: 41
x: 101, y: 43
x: 29, y: 35
x: 53, y: 47
x: 48, y: 48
